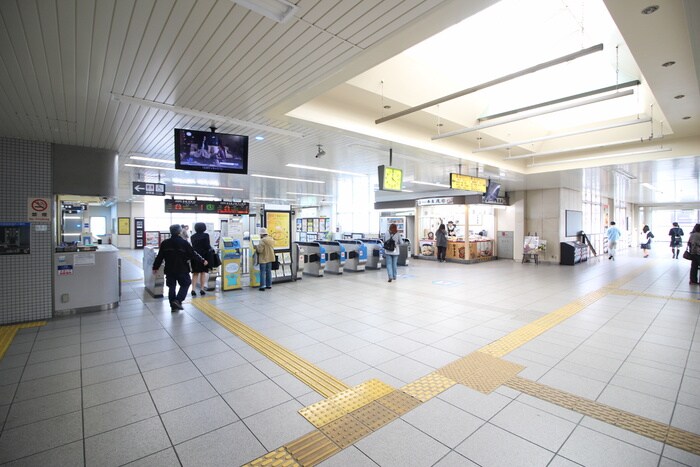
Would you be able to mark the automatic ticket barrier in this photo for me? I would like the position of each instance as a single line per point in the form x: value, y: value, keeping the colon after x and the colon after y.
x: 335, y: 256
x: 375, y: 250
x: 356, y: 255
x: 231, y: 271
x: 312, y: 258
x: 153, y: 282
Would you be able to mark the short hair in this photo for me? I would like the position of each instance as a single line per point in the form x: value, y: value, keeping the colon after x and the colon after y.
x: 696, y: 228
x: 200, y: 227
x: 612, y: 222
x: 675, y: 224
x: 175, y: 229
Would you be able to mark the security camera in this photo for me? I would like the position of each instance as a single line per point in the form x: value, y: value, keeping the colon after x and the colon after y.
x: 321, y: 152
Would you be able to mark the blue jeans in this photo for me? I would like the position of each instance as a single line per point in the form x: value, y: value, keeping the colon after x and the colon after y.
x: 265, y: 275
x: 392, y: 264
x: 182, y: 278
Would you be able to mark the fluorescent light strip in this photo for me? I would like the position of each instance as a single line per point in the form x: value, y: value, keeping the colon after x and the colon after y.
x: 535, y: 114
x: 276, y: 199
x: 71, y: 234
x: 149, y: 167
x: 150, y: 159
x: 198, y: 195
x: 286, y: 178
x: 582, y: 148
x: 563, y: 135
x: 320, y: 169
x: 309, y: 194
x: 204, y: 115
x: 208, y: 186
x: 277, y: 10
x: 72, y: 217
x: 428, y: 183
x: 602, y: 156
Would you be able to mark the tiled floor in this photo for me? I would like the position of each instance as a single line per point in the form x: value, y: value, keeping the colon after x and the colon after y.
x: 145, y: 386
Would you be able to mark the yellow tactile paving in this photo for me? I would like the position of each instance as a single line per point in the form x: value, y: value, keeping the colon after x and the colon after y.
x: 312, y: 448
x: 314, y: 377
x: 8, y: 333
x: 428, y: 386
x: 344, y: 402
x: 480, y: 371
x: 399, y: 402
x: 277, y: 458
x: 345, y: 431
x: 635, y: 423
x: 648, y: 295
x: 374, y: 415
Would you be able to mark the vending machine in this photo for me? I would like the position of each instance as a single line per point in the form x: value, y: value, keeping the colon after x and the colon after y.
x: 231, y: 270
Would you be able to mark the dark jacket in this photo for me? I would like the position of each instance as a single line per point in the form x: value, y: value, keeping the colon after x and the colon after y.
x: 176, y: 251
x: 201, y: 243
x: 441, y: 237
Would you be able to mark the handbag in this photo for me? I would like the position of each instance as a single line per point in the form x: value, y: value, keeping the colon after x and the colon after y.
x: 275, y: 264
x: 686, y: 253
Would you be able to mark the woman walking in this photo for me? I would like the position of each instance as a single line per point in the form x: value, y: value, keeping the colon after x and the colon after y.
x: 676, y: 234
x: 648, y: 235
x: 392, y: 240
x: 202, y: 245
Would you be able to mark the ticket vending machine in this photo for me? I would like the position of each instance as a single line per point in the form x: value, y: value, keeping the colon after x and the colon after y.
x: 253, y: 261
x: 231, y: 270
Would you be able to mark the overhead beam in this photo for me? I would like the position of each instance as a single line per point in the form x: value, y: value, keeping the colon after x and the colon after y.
x: 502, y: 79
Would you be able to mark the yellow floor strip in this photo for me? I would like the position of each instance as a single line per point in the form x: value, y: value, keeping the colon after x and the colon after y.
x: 8, y: 333
x: 131, y: 259
x: 314, y: 377
x: 643, y: 294
x: 658, y: 431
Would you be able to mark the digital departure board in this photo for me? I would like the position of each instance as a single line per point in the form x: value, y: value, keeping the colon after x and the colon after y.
x: 467, y: 183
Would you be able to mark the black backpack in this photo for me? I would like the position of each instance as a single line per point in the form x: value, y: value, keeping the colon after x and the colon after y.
x: 390, y: 244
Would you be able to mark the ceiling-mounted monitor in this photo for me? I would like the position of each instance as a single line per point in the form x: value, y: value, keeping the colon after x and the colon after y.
x: 207, y: 151
x: 492, y: 191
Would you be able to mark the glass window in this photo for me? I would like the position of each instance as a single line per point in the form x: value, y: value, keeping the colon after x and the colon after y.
x: 98, y: 225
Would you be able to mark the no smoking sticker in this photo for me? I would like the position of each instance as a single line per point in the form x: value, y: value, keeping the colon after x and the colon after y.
x: 38, y: 209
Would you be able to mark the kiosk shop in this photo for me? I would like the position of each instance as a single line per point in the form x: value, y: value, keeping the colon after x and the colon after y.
x: 470, y: 228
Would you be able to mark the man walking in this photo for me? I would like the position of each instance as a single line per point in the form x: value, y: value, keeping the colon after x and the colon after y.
x: 176, y: 251
x: 613, y: 236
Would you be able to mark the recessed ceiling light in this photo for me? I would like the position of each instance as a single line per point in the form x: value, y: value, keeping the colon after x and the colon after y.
x: 668, y: 64
x: 259, y: 138
x: 687, y: 118
x: 679, y: 96
x: 650, y: 9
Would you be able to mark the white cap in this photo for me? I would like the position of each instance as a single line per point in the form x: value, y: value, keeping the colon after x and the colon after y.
x: 262, y: 231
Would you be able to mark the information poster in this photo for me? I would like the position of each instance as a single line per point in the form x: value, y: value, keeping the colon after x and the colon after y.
x: 14, y: 238
x: 278, y: 224
x: 124, y: 224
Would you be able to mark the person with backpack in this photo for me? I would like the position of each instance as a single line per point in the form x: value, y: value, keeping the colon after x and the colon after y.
x: 392, y: 240
x: 676, y: 234
x: 649, y: 236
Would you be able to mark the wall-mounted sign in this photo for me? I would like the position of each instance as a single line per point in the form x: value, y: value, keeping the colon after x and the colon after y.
x: 467, y: 183
x: 147, y: 188
x: 206, y: 207
x: 38, y: 209
x: 434, y: 201
x: 14, y: 238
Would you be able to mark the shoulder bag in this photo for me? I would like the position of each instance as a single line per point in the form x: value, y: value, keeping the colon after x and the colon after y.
x: 687, y: 254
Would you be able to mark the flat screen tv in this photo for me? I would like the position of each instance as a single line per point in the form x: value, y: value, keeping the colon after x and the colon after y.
x: 207, y: 151
x: 574, y: 223
x: 492, y: 191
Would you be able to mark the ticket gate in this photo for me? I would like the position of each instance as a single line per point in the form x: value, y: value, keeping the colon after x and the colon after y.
x: 356, y: 255
x: 335, y: 256
x: 154, y: 283
x: 375, y: 251
x: 231, y: 270
x: 313, y: 261
x: 404, y: 252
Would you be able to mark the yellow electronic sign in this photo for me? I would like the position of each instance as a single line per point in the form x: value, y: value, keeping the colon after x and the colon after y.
x: 390, y: 178
x: 467, y: 183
